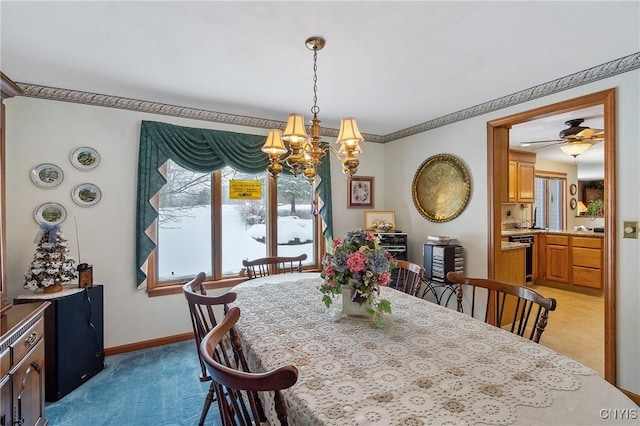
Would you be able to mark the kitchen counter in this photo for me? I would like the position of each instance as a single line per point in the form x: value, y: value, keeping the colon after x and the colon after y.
x: 513, y: 245
x: 508, y: 232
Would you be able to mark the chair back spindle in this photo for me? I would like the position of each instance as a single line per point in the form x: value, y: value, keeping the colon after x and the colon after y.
x: 240, y: 404
x: 518, y: 309
x: 273, y: 265
x: 203, y: 320
x: 408, y: 277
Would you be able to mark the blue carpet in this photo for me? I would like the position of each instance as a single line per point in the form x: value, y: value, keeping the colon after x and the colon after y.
x: 156, y: 386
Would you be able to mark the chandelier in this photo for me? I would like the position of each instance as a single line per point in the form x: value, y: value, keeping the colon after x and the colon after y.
x: 303, y: 153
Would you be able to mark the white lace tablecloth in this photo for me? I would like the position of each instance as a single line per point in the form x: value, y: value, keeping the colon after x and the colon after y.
x: 428, y: 365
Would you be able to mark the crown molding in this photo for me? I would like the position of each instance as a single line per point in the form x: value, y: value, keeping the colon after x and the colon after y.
x: 599, y: 72
x: 96, y: 99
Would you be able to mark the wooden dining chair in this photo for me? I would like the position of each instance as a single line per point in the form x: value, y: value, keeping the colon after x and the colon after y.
x: 273, y: 265
x: 203, y: 320
x: 516, y: 308
x: 237, y: 390
x: 408, y: 277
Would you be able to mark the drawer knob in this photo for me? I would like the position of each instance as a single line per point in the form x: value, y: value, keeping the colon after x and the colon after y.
x: 33, y: 337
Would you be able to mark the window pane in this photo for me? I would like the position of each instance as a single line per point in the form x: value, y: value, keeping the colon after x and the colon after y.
x: 296, y: 222
x: 244, y: 228
x: 540, y: 206
x: 555, y: 204
x: 184, y: 231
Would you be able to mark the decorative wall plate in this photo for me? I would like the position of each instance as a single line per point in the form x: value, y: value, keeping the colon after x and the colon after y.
x: 51, y: 213
x: 573, y: 203
x: 573, y: 189
x: 85, y: 158
x: 86, y: 194
x: 47, y: 175
x: 441, y: 188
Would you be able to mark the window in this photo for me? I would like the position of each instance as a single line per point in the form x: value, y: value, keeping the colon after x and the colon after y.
x: 201, y: 229
x: 549, y: 206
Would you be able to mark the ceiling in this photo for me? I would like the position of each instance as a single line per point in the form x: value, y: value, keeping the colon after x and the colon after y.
x: 392, y: 65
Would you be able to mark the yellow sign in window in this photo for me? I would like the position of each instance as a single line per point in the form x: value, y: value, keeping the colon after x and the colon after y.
x: 245, y: 190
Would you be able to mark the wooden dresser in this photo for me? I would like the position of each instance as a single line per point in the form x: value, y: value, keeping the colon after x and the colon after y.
x: 22, y: 365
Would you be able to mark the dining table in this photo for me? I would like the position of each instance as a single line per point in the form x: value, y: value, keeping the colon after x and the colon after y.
x: 428, y: 364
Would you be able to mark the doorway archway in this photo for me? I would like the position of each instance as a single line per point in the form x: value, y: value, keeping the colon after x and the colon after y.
x: 497, y: 188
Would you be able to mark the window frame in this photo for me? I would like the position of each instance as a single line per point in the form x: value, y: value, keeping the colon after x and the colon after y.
x: 155, y: 287
x: 562, y: 176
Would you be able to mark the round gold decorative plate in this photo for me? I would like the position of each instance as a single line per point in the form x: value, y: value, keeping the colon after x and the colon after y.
x: 441, y: 188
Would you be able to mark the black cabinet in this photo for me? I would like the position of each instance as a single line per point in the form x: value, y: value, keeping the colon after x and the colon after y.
x: 439, y: 259
x: 74, y: 338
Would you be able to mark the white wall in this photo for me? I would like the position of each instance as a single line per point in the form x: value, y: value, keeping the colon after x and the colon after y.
x: 468, y: 140
x: 40, y: 131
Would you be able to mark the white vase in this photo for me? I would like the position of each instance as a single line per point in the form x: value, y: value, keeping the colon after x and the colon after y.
x: 349, y: 307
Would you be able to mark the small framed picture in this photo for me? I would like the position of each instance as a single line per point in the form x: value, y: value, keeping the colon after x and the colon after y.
x: 383, y: 221
x: 360, y: 192
x: 573, y: 189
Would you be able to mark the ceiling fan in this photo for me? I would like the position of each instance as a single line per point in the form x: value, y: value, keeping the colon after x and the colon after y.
x: 575, y: 139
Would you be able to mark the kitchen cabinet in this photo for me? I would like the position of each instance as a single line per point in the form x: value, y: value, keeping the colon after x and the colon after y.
x: 511, y: 270
x: 586, y: 262
x: 557, y: 258
x: 522, y: 174
x: 574, y: 260
x: 592, y: 195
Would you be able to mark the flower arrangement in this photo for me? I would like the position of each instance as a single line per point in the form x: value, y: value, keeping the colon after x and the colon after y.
x: 358, y: 265
x: 52, y: 264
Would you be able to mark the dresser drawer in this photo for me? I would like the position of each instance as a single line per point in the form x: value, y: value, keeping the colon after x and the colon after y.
x: 27, y: 341
x: 559, y: 240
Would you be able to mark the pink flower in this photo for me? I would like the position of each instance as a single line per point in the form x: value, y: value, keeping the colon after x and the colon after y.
x: 356, y: 262
x: 369, y: 236
x: 389, y: 255
x: 329, y: 271
x: 337, y: 241
x: 384, y: 278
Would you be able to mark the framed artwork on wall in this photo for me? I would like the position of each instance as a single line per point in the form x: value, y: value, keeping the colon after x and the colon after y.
x: 360, y: 192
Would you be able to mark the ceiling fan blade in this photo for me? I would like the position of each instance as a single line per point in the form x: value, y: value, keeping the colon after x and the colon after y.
x: 590, y: 133
x: 548, y: 145
x: 536, y: 142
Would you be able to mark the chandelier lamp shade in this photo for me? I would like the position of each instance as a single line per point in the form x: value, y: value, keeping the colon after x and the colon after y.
x: 303, y: 153
x: 575, y: 148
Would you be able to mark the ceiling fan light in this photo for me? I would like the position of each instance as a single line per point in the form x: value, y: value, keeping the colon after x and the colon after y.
x: 575, y: 149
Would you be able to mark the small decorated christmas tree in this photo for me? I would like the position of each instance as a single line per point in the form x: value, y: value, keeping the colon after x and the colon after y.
x: 52, y: 265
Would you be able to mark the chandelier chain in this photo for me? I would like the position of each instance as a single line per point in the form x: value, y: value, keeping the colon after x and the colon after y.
x: 315, y: 109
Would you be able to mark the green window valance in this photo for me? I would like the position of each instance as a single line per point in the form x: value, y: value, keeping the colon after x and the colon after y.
x: 204, y: 151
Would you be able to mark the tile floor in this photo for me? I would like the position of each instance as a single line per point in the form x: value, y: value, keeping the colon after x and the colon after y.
x: 576, y: 327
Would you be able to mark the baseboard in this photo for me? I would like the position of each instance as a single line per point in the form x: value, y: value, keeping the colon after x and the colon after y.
x: 633, y: 396
x: 148, y: 344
